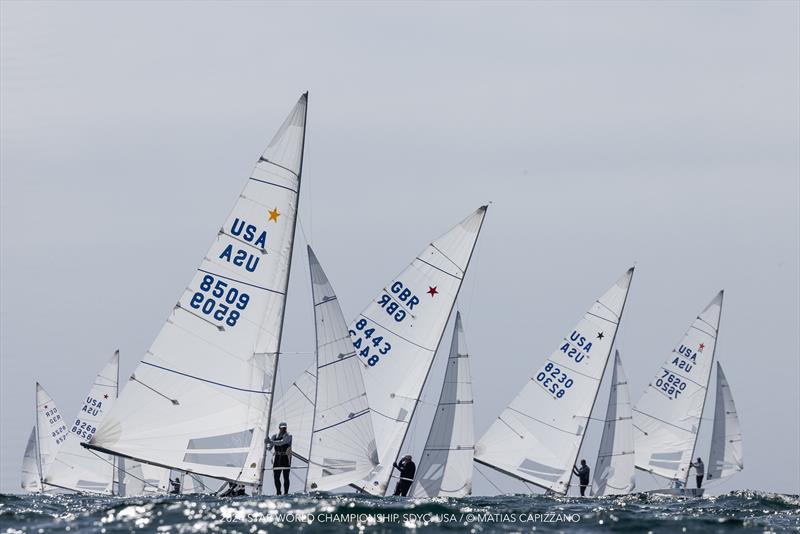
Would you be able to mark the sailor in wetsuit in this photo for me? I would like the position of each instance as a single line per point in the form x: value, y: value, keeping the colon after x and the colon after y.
x: 583, y: 475
x: 176, y: 486
x: 282, y: 457
x: 699, y: 471
x: 407, y: 470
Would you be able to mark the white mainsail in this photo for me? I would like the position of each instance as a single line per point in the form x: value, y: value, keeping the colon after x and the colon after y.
x: 31, y: 481
x: 538, y: 436
x: 615, y: 469
x: 200, y: 399
x: 726, y: 438
x: 343, y: 449
x: 50, y: 430
x: 76, y: 468
x: 445, y: 468
x: 398, y: 334
x: 667, y: 417
x: 296, y: 409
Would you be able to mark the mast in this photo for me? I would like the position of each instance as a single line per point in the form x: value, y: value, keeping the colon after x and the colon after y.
x: 36, y: 431
x: 708, y: 383
x: 438, y: 344
x: 260, y: 485
x: 316, y: 382
x: 605, y: 368
x: 115, y: 459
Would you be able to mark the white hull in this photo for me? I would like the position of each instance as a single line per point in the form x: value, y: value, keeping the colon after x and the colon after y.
x: 679, y: 492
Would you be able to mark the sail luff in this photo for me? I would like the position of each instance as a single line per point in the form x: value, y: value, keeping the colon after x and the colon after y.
x: 36, y: 432
x: 260, y: 486
x: 597, y: 390
x: 30, y: 468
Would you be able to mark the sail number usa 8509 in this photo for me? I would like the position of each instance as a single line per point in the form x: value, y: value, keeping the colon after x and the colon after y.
x: 219, y: 300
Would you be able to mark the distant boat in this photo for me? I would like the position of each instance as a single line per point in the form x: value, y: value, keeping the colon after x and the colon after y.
x: 76, y: 468
x: 46, y: 438
x: 445, y: 467
x: 200, y: 401
x: 537, y: 438
x: 615, y: 468
x: 667, y: 417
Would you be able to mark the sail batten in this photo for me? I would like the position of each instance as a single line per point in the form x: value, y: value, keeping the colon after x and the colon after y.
x: 667, y: 417
x: 538, y: 436
x: 397, y: 336
x: 445, y: 467
x: 200, y: 400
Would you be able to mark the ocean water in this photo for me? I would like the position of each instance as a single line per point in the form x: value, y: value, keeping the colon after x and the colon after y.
x: 740, y: 511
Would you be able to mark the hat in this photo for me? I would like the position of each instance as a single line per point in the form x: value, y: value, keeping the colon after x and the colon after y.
x: 282, y: 425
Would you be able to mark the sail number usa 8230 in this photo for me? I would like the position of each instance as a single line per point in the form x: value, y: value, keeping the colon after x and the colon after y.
x: 554, y: 380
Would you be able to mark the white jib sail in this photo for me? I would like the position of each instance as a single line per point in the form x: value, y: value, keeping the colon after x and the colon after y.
x: 76, y: 468
x: 343, y: 447
x: 200, y: 398
x: 296, y: 409
x: 51, y: 430
x: 398, y: 334
x: 30, y: 466
x: 726, y: 438
x: 445, y: 468
x: 667, y: 417
x: 615, y: 469
x: 538, y: 436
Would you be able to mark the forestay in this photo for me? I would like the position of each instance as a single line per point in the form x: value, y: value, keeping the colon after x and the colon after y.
x: 667, y: 417
x: 296, y: 409
x: 30, y: 466
x: 79, y: 469
x: 445, y: 468
x: 398, y: 334
x: 615, y: 469
x: 50, y: 430
x: 538, y: 436
x: 343, y: 447
x: 200, y: 398
x: 726, y: 438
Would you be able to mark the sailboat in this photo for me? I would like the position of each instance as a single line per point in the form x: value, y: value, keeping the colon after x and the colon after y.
x: 398, y: 334
x: 725, y: 457
x: 342, y: 449
x: 667, y: 417
x: 537, y: 438
x: 44, y: 442
x: 76, y: 468
x: 200, y: 400
x: 445, y: 467
x: 615, y: 468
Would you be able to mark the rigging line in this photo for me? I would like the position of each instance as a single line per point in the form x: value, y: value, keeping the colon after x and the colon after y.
x: 263, y: 392
x: 661, y: 420
x: 265, y: 160
x: 134, y: 379
x: 709, y: 334
x: 438, y: 268
x: 609, y: 309
x: 601, y: 318
x: 489, y: 480
x: 395, y: 333
x: 546, y: 424
x: 120, y: 468
x: 448, y: 257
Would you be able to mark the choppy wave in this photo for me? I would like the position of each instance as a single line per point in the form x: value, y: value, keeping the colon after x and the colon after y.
x: 742, y: 511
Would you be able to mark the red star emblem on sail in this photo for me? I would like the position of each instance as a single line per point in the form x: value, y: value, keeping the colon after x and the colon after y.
x: 432, y: 291
x: 702, y: 346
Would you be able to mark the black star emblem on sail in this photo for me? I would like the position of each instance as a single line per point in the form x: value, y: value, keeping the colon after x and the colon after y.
x: 600, y: 335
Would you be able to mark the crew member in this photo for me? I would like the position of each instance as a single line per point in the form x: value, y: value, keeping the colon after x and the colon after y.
x: 699, y: 471
x: 583, y: 475
x: 282, y: 457
x: 176, y: 486
x: 407, y: 470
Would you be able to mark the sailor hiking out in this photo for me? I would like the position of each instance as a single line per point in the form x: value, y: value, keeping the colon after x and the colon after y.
x: 282, y: 457
x: 407, y: 469
x: 176, y: 486
x: 583, y: 475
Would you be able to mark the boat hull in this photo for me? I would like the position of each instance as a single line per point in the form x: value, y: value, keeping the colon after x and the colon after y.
x: 679, y: 492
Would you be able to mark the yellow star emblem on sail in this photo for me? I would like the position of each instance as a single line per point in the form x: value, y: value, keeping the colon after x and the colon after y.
x: 273, y: 214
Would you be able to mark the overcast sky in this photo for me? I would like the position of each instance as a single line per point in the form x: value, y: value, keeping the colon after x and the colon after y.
x: 604, y: 134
